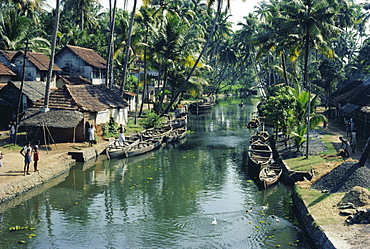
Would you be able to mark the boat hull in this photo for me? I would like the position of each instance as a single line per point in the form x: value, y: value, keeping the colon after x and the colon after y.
x: 269, y: 176
x: 144, y: 147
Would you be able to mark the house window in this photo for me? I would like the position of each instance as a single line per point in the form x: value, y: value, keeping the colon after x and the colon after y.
x: 24, y: 102
x: 96, y: 73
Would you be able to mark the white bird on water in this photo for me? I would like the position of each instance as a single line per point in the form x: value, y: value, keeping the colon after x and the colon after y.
x: 214, y: 222
x: 265, y: 207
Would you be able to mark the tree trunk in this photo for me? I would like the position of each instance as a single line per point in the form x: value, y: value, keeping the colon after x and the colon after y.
x: 109, y: 71
x: 51, y: 63
x: 128, y: 45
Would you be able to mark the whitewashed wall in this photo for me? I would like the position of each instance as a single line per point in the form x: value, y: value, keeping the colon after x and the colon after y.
x: 120, y: 116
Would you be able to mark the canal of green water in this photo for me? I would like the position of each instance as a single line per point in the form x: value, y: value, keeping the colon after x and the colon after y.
x: 167, y: 198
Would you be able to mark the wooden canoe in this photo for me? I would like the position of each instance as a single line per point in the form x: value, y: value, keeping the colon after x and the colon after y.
x: 201, y: 106
x: 260, y: 154
x: 270, y: 175
x: 260, y: 137
x: 175, y: 135
x: 254, y: 123
x: 176, y: 123
x: 115, y: 149
x: 156, y: 132
x: 144, y: 146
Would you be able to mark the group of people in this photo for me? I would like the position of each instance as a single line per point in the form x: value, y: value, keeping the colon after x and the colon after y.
x: 27, y: 151
x: 351, y: 132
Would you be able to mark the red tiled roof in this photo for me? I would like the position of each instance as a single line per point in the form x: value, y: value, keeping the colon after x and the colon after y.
x: 358, y: 95
x: 40, y: 60
x: 4, y: 70
x: 8, y: 54
x: 89, y: 56
x: 88, y: 97
x: 74, y: 80
x: 95, y: 97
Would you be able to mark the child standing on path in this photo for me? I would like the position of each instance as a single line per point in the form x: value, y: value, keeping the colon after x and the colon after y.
x: 26, y: 151
x: 36, y: 157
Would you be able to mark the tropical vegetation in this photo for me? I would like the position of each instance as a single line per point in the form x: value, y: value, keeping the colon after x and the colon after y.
x: 299, y: 49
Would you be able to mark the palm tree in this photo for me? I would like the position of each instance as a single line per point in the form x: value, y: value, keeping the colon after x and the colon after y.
x: 16, y: 29
x: 128, y: 44
x: 209, y: 38
x: 51, y: 64
x: 313, y: 21
x: 84, y: 12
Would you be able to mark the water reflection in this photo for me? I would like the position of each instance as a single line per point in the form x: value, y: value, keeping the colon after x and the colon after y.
x: 164, y: 199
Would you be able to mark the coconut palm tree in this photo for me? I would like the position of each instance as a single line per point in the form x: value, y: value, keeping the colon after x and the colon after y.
x: 51, y: 63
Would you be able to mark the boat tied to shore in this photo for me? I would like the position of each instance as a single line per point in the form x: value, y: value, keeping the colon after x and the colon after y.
x: 116, y: 149
x: 260, y: 154
x: 201, y: 106
x: 145, y: 141
x: 270, y: 174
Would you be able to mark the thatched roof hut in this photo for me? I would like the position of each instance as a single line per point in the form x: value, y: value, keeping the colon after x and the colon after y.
x: 54, y: 118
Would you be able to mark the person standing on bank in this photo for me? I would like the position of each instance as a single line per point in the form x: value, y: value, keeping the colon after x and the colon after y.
x: 121, y: 138
x: 36, y: 156
x: 353, y: 140
x: 26, y: 151
x: 1, y: 158
x: 91, y: 132
x: 12, y: 127
x: 345, y: 144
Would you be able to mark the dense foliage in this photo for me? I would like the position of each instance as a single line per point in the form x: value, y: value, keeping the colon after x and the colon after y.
x: 314, y: 43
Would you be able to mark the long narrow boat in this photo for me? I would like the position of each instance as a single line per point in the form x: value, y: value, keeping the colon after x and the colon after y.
x: 260, y: 137
x: 144, y: 146
x: 260, y: 154
x: 201, y: 106
x: 156, y: 132
x: 176, y: 123
x: 175, y: 135
x: 270, y: 174
x: 253, y: 124
x: 181, y: 132
x: 115, y: 149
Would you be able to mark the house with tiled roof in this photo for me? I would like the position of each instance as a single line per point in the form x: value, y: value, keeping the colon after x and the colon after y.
x: 9, y: 95
x: 6, y: 56
x: 130, y: 97
x: 36, y: 67
x: 87, y: 104
x: 78, y: 61
x: 6, y: 74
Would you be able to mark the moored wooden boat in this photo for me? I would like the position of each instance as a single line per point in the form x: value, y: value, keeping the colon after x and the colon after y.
x: 270, y: 174
x: 175, y: 135
x: 201, y: 106
x: 177, y: 122
x: 156, y: 132
x: 260, y: 137
x: 115, y: 149
x: 252, y: 124
x: 181, y: 132
x: 260, y: 154
x: 144, y: 146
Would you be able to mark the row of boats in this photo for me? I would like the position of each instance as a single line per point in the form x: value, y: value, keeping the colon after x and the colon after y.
x: 149, y: 139
x: 261, y: 161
